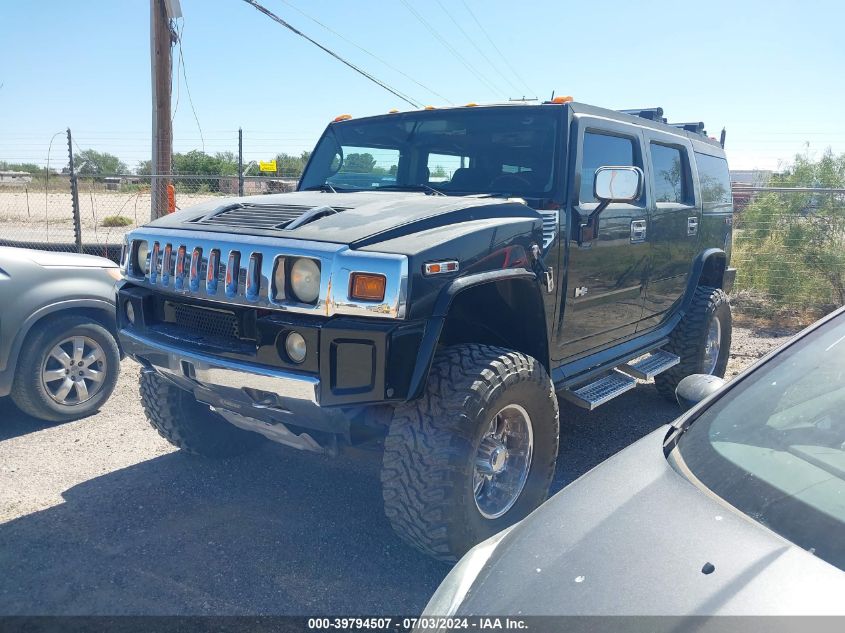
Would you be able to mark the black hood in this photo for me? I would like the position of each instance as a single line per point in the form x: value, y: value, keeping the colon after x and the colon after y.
x: 361, y: 218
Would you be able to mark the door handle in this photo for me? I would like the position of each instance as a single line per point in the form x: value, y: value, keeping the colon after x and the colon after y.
x: 692, y: 226
x: 638, y: 228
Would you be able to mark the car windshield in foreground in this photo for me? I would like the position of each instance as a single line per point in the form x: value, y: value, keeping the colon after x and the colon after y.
x: 774, y: 445
x: 502, y: 150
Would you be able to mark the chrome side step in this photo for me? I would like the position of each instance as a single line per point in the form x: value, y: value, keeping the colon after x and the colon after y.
x: 596, y: 393
x: 619, y: 380
x: 649, y: 366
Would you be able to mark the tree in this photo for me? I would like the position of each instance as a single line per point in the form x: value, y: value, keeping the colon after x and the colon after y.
x: 198, y: 163
x: 144, y: 168
x: 359, y: 163
x: 792, y: 245
x: 90, y: 162
x: 30, y: 168
x: 291, y: 166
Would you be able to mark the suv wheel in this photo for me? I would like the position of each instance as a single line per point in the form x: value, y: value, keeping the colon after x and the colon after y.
x: 702, y: 340
x: 190, y: 425
x: 475, y: 454
x: 68, y: 368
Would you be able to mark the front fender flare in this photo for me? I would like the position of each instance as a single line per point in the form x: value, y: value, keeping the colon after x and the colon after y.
x: 435, y: 323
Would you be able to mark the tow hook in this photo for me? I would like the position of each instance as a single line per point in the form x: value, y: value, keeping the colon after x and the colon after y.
x: 545, y: 274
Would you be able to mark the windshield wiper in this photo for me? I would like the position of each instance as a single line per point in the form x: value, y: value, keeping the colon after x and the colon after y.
x: 427, y: 188
x: 324, y: 187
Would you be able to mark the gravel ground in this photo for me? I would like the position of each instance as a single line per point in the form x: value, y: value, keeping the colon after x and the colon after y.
x: 102, y: 516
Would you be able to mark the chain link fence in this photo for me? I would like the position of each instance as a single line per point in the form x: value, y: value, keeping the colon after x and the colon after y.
x: 789, y: 251
x: 85, y: 213
x: 75, y: 210
x: 94, y: 219
x: 37, y: 212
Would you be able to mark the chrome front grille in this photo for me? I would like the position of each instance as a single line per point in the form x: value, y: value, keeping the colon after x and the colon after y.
x: 246, y: 270
x: 551, y: 218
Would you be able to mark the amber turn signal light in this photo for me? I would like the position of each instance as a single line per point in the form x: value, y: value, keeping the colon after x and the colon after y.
x: 367, y: 286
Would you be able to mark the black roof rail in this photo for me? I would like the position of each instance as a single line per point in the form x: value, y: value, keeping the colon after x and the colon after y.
x: 652, y: 114
x: 696, y: 127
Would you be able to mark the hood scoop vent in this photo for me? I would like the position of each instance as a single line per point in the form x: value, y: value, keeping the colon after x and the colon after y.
x: 264, y: 216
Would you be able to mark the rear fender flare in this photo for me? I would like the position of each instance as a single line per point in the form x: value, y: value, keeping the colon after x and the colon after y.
x: 708, y: 269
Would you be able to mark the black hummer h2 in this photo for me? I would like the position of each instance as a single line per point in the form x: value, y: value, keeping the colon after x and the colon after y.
x: 436, y: 279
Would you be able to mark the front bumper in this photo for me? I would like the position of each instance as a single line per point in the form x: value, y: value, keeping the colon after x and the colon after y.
x: 252, y: 390
x: 209, y: 372
x: 351, y: 363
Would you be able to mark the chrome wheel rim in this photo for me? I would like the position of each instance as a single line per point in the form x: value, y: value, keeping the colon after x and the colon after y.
x: 74, y: 371
x: 503, y: 461
x: 712, y: 345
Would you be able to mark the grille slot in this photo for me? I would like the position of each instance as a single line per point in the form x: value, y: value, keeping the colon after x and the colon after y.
x: 206, y: 321
x: 550, y: 222
x: 256, y: 216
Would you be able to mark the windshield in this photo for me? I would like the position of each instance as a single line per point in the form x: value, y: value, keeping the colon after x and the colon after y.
x: 505, y: 150
x: 774, y: 446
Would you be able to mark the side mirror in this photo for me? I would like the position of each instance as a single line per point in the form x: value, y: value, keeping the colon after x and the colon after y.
x: 693, y: 389
x: 611, y: 184
x: 618, y: 184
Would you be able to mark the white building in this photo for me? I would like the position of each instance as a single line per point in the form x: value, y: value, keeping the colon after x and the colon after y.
x: 15, y: 178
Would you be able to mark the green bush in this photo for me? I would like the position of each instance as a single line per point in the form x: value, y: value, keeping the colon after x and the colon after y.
x: 791, y: 246
x: 115, y: 221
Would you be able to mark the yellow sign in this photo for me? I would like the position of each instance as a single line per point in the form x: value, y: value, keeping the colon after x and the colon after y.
x: 268, y: 165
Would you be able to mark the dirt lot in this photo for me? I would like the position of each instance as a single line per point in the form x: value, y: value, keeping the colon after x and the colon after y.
x: 38, y: 216
x: 101, y: 516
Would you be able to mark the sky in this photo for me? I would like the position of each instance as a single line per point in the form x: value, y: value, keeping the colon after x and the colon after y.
x: 771, y: 72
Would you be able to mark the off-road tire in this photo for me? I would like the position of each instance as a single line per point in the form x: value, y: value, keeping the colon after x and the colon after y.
x: 432, y: 443
x: 688, y: 339
x: 191, y: 425
x: 28, y: 391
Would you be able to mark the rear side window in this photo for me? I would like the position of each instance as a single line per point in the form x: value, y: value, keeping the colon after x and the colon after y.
x: 603, y: 150
x: 442, y: 166
x: 715, y: 180
x: 670, y: 172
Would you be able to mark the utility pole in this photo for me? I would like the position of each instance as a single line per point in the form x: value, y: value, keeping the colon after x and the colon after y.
x: 240, y: 161
x: 161, y: 65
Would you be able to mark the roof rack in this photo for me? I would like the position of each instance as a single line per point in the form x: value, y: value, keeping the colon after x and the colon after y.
x: 652, y: 114
x: 696, y: 127
x: 656, y: 114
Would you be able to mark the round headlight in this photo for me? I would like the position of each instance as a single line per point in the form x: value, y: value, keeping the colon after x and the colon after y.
x: 141, y: 265
x: 305, y: 280
x: 295, y: 347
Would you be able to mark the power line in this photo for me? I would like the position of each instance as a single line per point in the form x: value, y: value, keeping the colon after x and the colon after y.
x: 178, y: 83
x: 471, y: 40
x: 493, y: 44
x: 361, y: 71
x: 454, y: 52
x: 187, y: 87
x: 361, y: 48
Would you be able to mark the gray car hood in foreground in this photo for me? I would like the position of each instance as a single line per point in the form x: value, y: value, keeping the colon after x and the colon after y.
x: 631, y: 538
x: 50, y: 259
